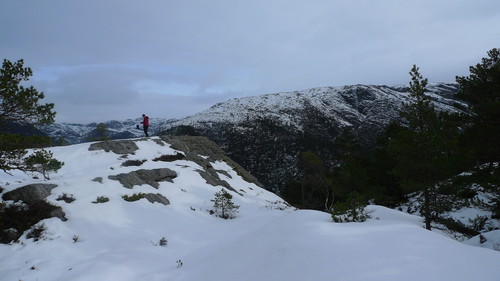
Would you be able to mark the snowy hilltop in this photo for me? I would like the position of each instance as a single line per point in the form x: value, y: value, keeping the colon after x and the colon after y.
x: 143, y: 209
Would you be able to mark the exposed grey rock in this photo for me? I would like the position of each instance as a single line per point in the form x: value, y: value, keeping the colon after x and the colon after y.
x: 140, y: 177
x: 194, y: 147
x: 214, y: 180
x: 30, y: 193
x: 225, y: 173
x: 57, y: 212
x: 159, y: 142
x: 151, y: 197
x: 129, y: 163
x: 117, y: 146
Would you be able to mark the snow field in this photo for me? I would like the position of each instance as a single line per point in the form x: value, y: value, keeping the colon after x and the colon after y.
x: 118, y: 240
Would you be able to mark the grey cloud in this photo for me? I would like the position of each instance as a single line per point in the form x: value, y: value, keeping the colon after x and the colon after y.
x: 108, y: 59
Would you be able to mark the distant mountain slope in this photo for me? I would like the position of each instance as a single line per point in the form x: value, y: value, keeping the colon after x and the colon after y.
x: 21, y: 128
x: 348, y: 106
x: 266, y: 133
x: 77, y: 133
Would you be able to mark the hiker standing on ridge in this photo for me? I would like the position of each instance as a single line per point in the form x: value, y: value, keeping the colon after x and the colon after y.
x: 145, y: 124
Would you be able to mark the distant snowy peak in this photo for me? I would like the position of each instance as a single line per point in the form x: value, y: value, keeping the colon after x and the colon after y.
x: 78, y: 133
x: 350, y: 105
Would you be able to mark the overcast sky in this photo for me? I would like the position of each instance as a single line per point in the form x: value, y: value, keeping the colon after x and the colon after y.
x: 101, y: 60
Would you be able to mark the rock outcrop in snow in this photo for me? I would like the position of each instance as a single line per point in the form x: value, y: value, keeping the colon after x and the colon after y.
x: 143, y: 176
x: 180, y: 152
x: 30, y: 193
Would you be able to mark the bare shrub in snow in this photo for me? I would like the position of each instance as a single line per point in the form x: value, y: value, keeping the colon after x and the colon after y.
x: 68, y: 198
x: 36, y: 232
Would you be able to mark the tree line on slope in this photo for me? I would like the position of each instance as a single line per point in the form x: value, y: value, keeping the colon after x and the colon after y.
x: 422, y: 153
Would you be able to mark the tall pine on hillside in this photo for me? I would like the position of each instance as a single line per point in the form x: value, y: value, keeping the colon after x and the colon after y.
x: 420, y: 147
x: 481, y: 89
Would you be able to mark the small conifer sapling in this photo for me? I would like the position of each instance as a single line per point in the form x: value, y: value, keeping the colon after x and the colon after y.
x: 224, y: 206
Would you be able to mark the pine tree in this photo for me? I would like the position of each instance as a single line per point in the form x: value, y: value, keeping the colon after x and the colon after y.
x: 41, y: 161
x: 101, y: 133
x: 292, y: 192
x: 224, y: 206
x: 19, y: 104
x: 351, y: 172
x: 420, y: 147
x: 316, y: 185
x: 481, y: 89
x: 385, y: 188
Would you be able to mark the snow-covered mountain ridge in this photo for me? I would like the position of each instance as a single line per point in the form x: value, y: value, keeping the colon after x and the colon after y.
x: 350, y: 105
x: 267, y: 240
x: 265, y: 134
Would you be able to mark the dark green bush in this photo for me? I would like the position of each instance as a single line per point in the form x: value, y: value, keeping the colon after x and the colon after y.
x: 352, y: 210
x: 134, y: 197
x: 101, y: 199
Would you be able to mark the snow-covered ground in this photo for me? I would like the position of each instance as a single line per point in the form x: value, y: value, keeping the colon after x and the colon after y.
x: 119, y: 240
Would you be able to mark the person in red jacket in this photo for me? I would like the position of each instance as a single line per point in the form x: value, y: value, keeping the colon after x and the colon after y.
x: 145, y: 124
